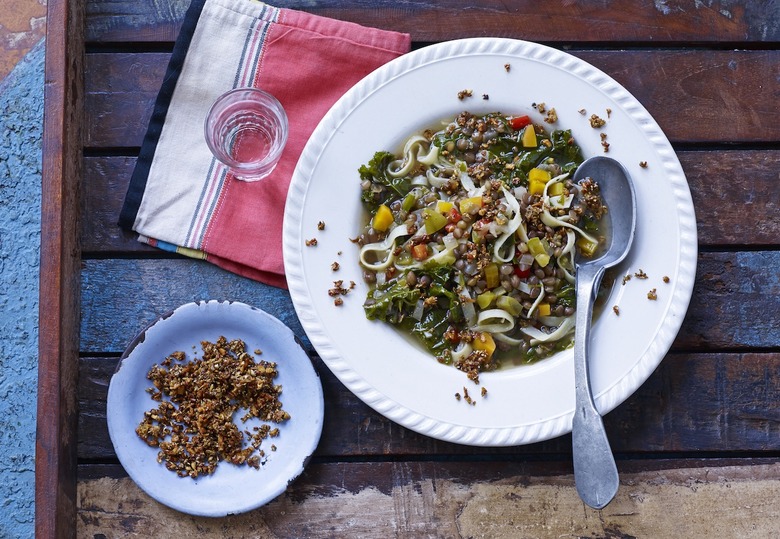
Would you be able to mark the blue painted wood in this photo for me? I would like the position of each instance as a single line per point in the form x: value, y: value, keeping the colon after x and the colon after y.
x: 21, y: 119
x: 122, y: 297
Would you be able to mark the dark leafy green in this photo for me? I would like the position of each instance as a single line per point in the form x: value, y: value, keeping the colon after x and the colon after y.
x: 384, y: 188
x: 393, y: 301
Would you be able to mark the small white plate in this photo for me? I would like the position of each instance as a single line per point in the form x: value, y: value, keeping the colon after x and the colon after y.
x: 417, y: 91
x: 230, y: 489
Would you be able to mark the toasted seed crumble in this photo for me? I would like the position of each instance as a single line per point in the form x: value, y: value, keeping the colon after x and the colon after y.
x: 596, y: 121
x: 652, y: 295
x: 193, y: 424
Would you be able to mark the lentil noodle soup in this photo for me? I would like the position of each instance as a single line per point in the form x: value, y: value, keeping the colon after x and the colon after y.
x: 471, y: 236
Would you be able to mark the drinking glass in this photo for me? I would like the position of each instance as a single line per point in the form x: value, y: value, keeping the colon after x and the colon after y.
x: 246, y: 130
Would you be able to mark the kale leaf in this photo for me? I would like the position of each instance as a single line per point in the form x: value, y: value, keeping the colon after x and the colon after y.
x: 384, y: 188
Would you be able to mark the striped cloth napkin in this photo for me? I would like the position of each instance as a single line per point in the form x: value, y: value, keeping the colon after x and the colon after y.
x: 180, y: 198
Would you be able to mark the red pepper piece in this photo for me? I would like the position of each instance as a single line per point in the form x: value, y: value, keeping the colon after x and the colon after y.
x: 519, y: 122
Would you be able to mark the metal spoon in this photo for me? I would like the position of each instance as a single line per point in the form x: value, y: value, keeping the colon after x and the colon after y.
x: 595, y: 472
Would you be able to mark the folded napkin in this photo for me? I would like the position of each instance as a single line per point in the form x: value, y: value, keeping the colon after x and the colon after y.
x: 180, y: 198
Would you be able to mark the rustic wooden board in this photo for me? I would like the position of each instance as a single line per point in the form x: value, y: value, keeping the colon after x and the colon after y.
x: 710, y: 75
x: 693, y: 402
x: 731, y: 193
x: 696, y: 96
x: 460, y: 499
x: 55, y: 450
x: 671, y: 21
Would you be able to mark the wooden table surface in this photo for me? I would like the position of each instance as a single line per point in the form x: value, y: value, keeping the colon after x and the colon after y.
x: 698, y: 445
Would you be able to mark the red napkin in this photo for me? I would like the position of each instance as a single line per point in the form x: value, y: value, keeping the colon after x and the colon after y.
x: 180, y: 198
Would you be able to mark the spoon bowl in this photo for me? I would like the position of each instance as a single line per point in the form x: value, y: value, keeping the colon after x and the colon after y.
x: 595, y: 472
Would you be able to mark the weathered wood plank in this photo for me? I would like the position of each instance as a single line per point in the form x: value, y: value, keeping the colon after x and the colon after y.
x: 693, y: 402
x: 723, y: 312
x: 731, y: 193
x: 104, y: 187
x: 625, y: 20
x: 456, y: 499
x: 695, y: 96
x: 110, y: 320
x: 55, y: 448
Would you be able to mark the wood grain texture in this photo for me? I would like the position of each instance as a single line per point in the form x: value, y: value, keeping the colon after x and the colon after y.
x: 693, y: 402
x: 731, y: 192
x: 722, y: 312
x: 696, y: 96
x: 55, y: 453
x: 671, y: 21
x: 460, y: 500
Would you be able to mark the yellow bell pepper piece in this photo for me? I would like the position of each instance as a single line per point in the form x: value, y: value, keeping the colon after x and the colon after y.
x: 555, y: 189
x: 529, y: 137
x: 537, y: 249
x: 444, y: 206
x: 470, y: 205
x: 537, y: 179
x: 484, y: 341
x: 491, y: 276
x: 383, y: 219
x: 543, y: 309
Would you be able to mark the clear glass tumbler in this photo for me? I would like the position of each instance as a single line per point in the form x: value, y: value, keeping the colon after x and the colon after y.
x: 246, y: 130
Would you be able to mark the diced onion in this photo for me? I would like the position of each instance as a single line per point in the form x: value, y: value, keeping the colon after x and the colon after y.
x: 467, y: 304
x: 418, y: 310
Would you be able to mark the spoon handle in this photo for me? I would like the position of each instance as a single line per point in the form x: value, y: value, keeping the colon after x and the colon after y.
x: 595, y: 472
